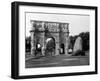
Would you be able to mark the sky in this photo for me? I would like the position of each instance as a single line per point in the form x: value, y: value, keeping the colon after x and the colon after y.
x: 77, y: 23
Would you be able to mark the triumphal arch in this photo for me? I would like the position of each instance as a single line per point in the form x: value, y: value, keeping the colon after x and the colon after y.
x: 43, y: 31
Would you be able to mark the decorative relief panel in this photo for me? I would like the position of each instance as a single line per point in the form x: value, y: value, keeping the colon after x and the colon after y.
x: 50, y: 26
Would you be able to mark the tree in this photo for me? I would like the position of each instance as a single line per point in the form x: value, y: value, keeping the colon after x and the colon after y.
x: 28, y: 44
x: 72, y: 41
x: 85, y: 40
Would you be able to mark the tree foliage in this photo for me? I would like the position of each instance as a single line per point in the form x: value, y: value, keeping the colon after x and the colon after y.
x: 28, y: 44
x: 85, y: 40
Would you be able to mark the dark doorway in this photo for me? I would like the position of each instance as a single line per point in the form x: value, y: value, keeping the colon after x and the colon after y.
x: 62, y: 51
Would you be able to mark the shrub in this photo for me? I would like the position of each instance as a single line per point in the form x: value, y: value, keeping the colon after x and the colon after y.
x: 78, y: 52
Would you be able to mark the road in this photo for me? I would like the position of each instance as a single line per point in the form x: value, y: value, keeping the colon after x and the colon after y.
x: 55, y: 61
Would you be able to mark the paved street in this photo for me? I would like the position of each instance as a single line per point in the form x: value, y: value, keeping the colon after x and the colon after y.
x: 59, y: 60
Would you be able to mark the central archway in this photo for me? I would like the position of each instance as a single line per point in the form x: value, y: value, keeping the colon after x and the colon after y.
x: 50, y: 46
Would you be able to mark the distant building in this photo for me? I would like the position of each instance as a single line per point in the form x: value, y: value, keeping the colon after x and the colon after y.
x: 43, y: 31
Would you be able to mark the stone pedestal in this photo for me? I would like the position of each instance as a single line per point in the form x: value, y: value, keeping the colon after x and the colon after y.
x: 67, y: 44
x: 32, y: 51
x: 43, y: 51
x: 66, y: 51
x: 57, y: 49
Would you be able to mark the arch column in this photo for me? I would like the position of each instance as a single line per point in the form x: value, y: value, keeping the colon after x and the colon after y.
x: 32, y: 39
x: 57, y: 45
x: 57, y: 41
x: 67, y: 39
x: 57, y: 49
x: 44, y: 45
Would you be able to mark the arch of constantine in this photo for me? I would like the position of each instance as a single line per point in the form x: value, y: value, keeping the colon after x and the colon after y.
x: 41, y: 31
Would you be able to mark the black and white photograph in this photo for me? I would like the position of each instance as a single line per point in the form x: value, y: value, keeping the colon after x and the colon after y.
x: 51, y: 40
x: 54, y: 40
